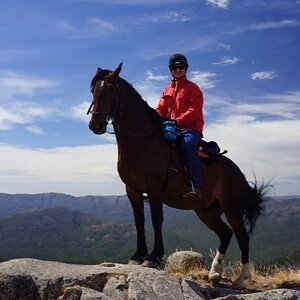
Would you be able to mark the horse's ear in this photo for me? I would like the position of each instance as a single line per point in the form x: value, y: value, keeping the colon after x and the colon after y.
x: 98, y: 70
x: 117, y: 70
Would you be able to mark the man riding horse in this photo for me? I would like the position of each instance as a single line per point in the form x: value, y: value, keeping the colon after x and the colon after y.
x: 182, y: 102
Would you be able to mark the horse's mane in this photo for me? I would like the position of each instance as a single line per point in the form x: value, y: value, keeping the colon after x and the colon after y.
x: 152, y: 112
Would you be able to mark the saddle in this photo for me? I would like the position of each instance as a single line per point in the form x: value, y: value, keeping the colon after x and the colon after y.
x: 206, y: 150
x: 209, y: 149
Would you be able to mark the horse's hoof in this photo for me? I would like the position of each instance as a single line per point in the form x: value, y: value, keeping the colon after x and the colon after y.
x: 238, y: 285
x: 135, y: 262
x: 214, y: 277
x: 150, y: 264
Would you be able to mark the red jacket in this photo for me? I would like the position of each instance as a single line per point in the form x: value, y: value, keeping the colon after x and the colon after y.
x: 182, y: 101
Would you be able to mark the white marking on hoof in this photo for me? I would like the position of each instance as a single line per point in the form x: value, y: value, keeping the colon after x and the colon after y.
x: 245, y: 274
x: 150, y: 264
x: 135, y: 262
x: 214, y: 276
x: 217, y: 267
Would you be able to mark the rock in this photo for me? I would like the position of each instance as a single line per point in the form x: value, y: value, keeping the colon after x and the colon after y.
x: 116, y: 287
x: 49, y: 280
x: 279, y: 294
x: 32, y: 279
x: 82, y: 293
x: 17, y: 287
x: 185, y: 261
x: 192, y: 291
x: 153, y: 284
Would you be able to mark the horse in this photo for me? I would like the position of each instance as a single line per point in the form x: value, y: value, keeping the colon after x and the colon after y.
x: 146, y: 166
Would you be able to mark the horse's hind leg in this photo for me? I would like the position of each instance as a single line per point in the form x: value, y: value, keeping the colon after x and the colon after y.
x: 238, y: 227
x: 212, y: 219
x: 137, y: 203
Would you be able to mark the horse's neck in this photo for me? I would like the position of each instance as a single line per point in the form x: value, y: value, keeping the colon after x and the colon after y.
x: 134, y: 117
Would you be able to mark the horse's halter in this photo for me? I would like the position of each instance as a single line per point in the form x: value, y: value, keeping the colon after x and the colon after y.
x: 111, y: 116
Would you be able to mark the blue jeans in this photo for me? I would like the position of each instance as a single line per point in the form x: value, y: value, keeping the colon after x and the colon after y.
x: 189, y: 144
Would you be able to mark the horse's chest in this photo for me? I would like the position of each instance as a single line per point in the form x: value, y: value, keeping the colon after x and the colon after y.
x: 138, y: 171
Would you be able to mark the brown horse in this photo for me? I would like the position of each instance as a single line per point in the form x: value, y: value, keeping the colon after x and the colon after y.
x: 146, y: 166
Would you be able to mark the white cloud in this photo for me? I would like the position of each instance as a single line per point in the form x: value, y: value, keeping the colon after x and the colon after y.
x: 22, y: 113
x: 273, y: 25
x: 263, y: 75
x: 151, y: 76
x: 227, y: 61
x: 219, y: 3
x: 77, y: 170
x: 79, y: 112
x: 253, y: 142
x: 183, y: 45
x: 203, y: 79
x: 165, y: 17
x: 261, y: 137
x: 289, y: 96
x: 225, y: 46
x: 92, y: 28
x: 8, y: 118
x: 270, y: 107
x: 282, y: 110
x: 35, y: 129
x: 268, y: 25
x: 12, y: 84
x: 150, y: 90
x: 255, y: 147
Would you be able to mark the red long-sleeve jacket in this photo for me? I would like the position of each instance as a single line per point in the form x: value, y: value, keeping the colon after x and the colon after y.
x: 182, y: 101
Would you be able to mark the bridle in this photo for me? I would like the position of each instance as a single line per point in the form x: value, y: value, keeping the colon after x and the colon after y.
x: 110, y: 118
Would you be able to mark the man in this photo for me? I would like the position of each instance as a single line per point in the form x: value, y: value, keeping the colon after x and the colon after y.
x: 182, y: 101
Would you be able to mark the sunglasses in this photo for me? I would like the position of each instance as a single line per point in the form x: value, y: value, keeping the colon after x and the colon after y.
x: 173, y: 68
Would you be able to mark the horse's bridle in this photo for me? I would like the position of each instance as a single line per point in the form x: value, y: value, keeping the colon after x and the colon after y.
x: 111, y: 116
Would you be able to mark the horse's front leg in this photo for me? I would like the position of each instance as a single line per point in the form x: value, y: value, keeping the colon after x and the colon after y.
x: 154, y: 258
x: 137, y: 203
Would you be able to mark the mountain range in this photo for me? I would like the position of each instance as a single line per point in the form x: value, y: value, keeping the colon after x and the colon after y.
x: 93, y: 229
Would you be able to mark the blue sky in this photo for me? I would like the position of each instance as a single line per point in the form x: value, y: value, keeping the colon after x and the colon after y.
x: 243, y: 54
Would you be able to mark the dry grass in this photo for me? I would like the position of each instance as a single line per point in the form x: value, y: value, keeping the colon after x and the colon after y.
x: 279, y: 276
x: 262, y: 277
x: 194, y: 272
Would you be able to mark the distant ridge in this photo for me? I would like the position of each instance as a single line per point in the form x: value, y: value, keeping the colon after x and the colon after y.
x: 31, y: 224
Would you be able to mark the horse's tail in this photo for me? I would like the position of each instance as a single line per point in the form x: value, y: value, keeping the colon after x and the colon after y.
x: 255, y: 204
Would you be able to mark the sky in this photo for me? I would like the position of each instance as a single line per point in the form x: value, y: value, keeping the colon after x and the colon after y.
x: 243, y: 54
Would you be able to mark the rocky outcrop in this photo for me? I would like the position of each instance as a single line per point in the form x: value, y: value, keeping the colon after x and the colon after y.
x: 182, y: 261
x: 30, y: 279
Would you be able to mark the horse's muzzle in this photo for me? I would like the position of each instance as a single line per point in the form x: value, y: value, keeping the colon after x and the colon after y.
x: 99, y: 128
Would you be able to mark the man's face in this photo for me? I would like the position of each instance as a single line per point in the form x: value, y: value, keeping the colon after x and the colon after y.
x: 178, y: 71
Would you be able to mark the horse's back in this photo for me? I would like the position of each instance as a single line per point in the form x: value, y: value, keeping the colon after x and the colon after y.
x: 224, y: 182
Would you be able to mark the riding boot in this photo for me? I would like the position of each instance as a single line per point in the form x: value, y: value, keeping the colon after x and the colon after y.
x: 192, y: 191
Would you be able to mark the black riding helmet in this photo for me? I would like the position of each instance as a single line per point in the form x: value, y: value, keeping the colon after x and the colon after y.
x: 178, y: 59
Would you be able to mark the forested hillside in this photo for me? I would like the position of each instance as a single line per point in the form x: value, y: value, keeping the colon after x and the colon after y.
x: 92, y: 229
